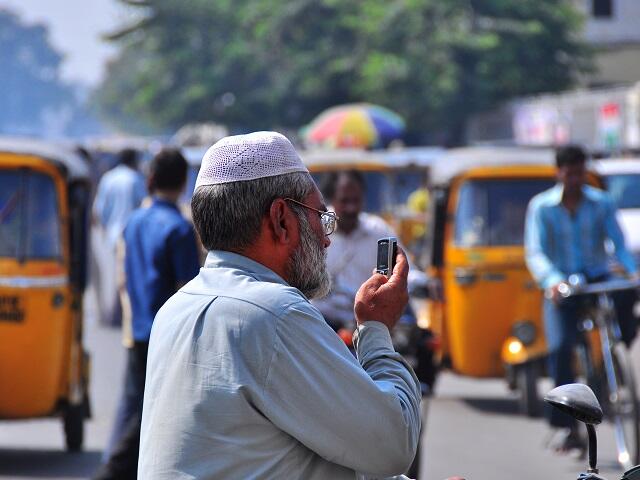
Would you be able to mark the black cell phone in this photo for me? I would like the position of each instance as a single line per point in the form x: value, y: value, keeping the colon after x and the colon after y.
x: 387, y: 251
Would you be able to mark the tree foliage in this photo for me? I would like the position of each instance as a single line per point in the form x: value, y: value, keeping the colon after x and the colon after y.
x: 29, y: 76
x: 265, y: 63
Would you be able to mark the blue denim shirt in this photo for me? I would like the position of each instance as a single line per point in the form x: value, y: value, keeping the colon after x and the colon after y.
x: 558, y: 244
x: 246, y: 380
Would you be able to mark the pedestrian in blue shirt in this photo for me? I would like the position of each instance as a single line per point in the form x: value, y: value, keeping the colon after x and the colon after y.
x: 160, y: 256
x: 566, y: 231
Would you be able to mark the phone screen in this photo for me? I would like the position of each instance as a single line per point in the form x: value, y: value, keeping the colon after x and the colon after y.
x: 383, y: 255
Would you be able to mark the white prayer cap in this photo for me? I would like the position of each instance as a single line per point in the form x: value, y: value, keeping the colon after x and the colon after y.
x: 248, y: 157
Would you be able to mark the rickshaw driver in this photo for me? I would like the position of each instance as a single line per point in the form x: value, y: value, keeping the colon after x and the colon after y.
x: 565, y: 232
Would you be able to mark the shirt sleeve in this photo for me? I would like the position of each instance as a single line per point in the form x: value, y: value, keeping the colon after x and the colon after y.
x: 535, y: 238
x: 364, y: 416
x: 140, y: 190
x: 614, y: 233
x: 184, y: 253
x: 99, y: 203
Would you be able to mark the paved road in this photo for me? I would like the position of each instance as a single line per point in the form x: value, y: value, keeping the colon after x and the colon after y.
x: 471, y: 430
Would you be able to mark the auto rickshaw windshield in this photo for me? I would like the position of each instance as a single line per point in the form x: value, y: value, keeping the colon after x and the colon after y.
x: 29, y: 216
x: 406, y: 183
x: 377, y: 198
x: 492, y: 212
x: 624, y: 189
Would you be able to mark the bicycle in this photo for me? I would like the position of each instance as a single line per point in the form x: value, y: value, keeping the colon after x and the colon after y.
x: 608, y: 370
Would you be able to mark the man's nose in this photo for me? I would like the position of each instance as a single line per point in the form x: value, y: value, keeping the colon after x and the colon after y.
x: 327, y: 241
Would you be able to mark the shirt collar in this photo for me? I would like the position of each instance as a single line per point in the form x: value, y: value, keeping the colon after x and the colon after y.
x: 226, y: 259
x: 555, y: 193
x: 164, y: 203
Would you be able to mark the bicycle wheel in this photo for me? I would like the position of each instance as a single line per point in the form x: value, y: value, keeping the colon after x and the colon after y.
x: 623, y: 408
x: 527, y: 386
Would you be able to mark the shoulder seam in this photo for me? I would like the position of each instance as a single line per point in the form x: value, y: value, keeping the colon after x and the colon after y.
x: 276, y: 313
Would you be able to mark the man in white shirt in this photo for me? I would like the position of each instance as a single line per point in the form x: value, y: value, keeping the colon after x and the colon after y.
x: 353, y: 246
x: 120, y: 191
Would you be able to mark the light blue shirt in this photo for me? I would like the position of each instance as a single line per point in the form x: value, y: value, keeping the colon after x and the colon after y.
x: 120, y: 192
x: 246, y: 380
x: 558, y: 244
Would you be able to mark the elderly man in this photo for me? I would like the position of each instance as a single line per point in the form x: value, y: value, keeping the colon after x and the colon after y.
x: 244, y: 377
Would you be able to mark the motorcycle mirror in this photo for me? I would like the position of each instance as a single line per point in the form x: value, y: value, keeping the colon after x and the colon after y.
x: 577, y: 400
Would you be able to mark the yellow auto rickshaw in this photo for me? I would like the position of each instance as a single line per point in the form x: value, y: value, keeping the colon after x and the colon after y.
x: 484, y: 307
x: 44, y: 198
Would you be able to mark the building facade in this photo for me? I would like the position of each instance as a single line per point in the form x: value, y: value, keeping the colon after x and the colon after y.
x: 613, y: 28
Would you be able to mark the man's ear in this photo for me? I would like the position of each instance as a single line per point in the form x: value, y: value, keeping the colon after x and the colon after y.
x: 282, y: 221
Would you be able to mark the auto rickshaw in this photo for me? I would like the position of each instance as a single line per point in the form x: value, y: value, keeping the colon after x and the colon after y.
x: 484, y: 307
x: 44, y: 369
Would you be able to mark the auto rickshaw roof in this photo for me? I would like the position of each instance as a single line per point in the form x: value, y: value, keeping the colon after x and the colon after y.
x: 117, y: 143
x: 346, y: 158
x: 194, y: 155
x: 74, y: 165
x: 459, y: 160
x: 617, y: 166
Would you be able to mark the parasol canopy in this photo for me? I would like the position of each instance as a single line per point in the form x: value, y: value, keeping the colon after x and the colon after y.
x: 359, y: 125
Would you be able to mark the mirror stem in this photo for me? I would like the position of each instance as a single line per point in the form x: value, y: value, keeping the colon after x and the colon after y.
x: 593, y: 449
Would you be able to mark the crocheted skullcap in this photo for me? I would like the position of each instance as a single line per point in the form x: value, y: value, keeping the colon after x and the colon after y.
x: 248, y: 157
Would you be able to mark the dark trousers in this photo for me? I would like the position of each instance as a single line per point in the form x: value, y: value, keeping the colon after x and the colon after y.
x: 561, y: 329
x: 123, y: 459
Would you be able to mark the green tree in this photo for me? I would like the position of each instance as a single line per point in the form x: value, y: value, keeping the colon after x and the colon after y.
x: 29, y: 76
x: 264, y: 63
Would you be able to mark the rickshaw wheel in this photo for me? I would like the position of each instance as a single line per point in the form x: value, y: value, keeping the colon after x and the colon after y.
x: 526, y: 378
x: 73, y: 421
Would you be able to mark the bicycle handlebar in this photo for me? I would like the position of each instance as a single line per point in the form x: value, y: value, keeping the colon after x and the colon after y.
x: 615, y: 285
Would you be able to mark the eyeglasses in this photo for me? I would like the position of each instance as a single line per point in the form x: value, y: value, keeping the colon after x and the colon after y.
x: 327, y: 219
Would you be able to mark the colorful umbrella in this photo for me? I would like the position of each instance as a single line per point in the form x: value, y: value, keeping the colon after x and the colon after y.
x: 355, y: 125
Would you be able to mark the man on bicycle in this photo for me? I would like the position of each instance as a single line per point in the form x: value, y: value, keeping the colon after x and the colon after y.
x: 566, y: 231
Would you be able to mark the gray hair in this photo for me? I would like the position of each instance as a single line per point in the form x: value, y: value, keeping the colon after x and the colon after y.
x: 228, y: 216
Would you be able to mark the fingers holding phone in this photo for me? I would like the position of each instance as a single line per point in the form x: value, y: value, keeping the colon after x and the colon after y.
x: 384, y: 296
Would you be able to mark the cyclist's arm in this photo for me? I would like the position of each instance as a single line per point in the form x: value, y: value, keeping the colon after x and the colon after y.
x: 535, y: 238
x: 614, y: 233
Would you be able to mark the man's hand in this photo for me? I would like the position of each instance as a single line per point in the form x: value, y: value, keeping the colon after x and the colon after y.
x: 383, y: 299
x: 553, y: 293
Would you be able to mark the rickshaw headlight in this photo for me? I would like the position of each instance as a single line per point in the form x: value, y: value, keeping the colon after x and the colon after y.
x: 515, y: 347
x: 524, y: 331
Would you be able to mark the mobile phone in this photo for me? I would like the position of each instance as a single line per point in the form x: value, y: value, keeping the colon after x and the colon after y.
x: 387, y: 251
